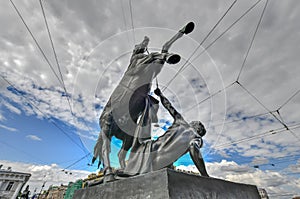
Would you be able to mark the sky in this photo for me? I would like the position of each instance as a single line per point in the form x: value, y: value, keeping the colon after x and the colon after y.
x: 242, y: 82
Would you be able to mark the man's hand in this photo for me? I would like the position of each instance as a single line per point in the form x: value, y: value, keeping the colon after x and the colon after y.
x: 157, y: 92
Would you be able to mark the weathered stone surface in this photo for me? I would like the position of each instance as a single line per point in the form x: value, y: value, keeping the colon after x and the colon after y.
x: 167, y: 184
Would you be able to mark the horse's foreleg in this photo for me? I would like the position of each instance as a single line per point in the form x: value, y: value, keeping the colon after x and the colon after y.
x: 185, y: 30
x: 105, y: 156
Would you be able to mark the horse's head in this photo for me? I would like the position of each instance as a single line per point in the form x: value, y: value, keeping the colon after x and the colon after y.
x: 141, y: 48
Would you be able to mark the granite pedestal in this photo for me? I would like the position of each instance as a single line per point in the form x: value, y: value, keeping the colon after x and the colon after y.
x: 165, y: 184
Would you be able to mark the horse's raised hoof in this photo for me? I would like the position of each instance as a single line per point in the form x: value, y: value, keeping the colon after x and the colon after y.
x: 173, y: 58
x: 188, y: 28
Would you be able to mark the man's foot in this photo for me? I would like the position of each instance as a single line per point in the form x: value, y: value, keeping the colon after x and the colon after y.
x: 188, y: 28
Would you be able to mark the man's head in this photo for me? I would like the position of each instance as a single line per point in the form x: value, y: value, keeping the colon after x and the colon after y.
x: 199, y: 128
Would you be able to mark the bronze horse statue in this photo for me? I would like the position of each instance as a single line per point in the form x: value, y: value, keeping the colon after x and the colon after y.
x: 131, y: 99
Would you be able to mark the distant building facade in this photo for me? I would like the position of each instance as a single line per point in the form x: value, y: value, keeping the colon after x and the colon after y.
x: 57, y: 192
x: 11, y: 182
x: 54, y: 192
x: 72, y: 187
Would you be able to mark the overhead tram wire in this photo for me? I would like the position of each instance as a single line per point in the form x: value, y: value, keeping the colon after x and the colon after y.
x: 210, y: 96
x: 77, y: 161
x: 124, y: 20
x: 274, y: 194
x: 37, y: 44
x: 222, y: 34
x: 226, y: 30
x: 262, y: 114
x: 244, y: 61
x: 123, y: 14
x: 44, y: 115
x: 256, y: 99
x: 55, y: 55
x: 24, y: 152
x: 240, y: 73
x: 58, y: 65
x: 131, y: 17
x: 292, y: 132
x: 285, y: 159
x: 35, y: 41
x: 288, y: 100
x: 282, y: 159
x: 41, y: 50
x: 264, y: 134
x: 205, y: 38
x: 243, y: 118
x: 213, y: 42
x: 265, y: 113
x: 252, y: 40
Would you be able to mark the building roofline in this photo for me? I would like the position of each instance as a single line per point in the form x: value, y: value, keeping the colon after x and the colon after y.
x: 14, y: 172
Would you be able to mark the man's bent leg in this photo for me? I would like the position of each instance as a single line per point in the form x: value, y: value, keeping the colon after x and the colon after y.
x: 196, y: 156
x: 169, y: 147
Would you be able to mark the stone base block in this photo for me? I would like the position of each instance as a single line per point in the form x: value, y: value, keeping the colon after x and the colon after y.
x: 165, y: 184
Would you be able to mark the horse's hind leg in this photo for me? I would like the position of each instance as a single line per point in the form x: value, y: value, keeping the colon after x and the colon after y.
x: 127, y: 143
x: 98, y: 150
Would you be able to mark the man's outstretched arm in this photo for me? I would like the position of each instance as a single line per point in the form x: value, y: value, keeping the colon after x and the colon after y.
x: 167, y: 104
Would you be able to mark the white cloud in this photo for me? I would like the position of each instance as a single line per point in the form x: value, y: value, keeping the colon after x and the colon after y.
x: 11, y: 107
x: 34, y: 137
x: 51, y: 174
x: 8, y: 128
x: 2, y: 118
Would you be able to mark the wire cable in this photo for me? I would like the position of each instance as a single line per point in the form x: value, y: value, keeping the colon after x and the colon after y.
x: 253, y: 38
x: 226, y: 30
x: 295, y: 135
x: 264, y: 134
x: 210, y: 96
x: 256, y: 99
x: 77, y: 161
x: 55, y: 55
x: 35, y: 41
x: 58, y: 66
x: 288, y: 100
x: 131, y: 17
x: 124, y: 20
x: 221, y: 35
x: 243, y: 118
x: 24, y: 152
x: 205, y: 38
x: 45, y: 115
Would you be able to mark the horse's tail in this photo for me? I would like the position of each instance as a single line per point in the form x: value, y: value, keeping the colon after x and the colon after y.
x: 98, y: 151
